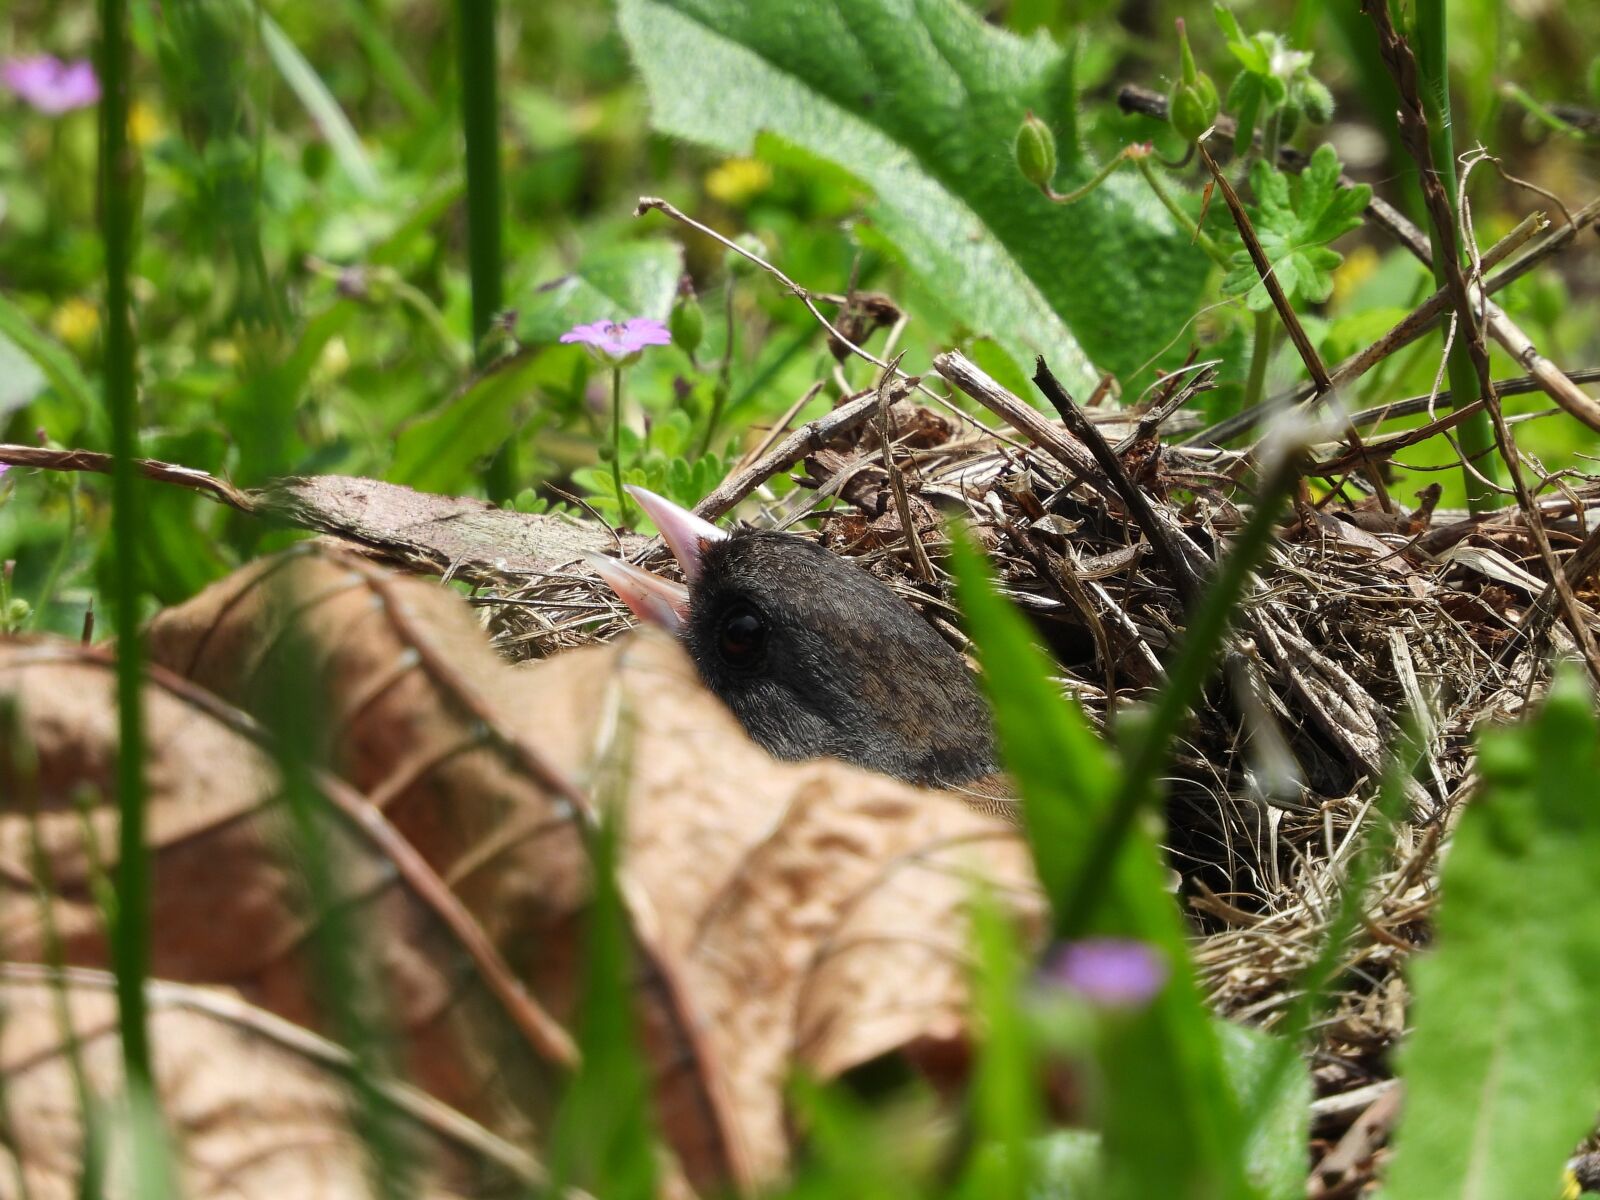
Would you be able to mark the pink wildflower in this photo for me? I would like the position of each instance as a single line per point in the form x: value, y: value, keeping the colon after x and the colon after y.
x: 1108, y: 972
x: 619, y: 340
x: 50, y: 85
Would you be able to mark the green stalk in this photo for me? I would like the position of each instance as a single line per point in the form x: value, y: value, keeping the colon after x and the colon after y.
x: 719, y: 393
x: 1256, y: 385
x: 1475, y: 433
x: 130, y: 933
x: 480, y: 120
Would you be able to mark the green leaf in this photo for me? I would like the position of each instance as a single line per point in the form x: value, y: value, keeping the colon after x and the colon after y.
x: 20, y: 378
x: 1171, y: 1125
x: 59, y: 369
x: 921, y: 100
x: 613, y: 283
x: 1502, y: 1073
x: 1295, y: 217
x: 440, y: 452
x: 1275, y: 1150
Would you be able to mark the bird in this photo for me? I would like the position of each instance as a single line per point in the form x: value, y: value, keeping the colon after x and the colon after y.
x: 815, y: 657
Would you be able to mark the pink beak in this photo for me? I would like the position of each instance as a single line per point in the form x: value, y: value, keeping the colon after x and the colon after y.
x: 650, y: 597
x: 686, y: 534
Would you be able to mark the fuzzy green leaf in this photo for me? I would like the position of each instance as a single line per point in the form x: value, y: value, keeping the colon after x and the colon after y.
x: 921, y: 100
x: 1503, y: 1072
x: 1296, y: 217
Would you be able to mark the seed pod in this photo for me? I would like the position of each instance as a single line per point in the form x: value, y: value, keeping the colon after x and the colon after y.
x: 1192, y: 104
x: 686, y: 322
x: 1036, y: 152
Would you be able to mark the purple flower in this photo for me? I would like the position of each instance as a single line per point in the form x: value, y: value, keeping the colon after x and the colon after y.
x: 620, y: 340
x: 50, y: 85
x: 1108, y: 972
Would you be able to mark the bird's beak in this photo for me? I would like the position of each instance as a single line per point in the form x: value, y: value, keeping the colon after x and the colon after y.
x: 650, y: 597
x: 686, y: 534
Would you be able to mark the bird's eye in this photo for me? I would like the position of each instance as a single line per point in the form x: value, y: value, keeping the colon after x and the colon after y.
x: 742, y: 635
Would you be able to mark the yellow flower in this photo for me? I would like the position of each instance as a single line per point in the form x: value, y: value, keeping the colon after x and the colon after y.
x: 77, y: 323
x: 1358, y: 267
x: 333, y: 362
x: 144, y: 126
x: 738, y: 180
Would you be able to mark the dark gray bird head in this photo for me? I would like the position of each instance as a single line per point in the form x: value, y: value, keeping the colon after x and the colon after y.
x: 814, y: 656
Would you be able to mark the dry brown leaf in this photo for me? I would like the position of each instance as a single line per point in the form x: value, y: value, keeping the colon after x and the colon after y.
x: 785, y: 914
x: 256, y: 1107
x: 228, y: 904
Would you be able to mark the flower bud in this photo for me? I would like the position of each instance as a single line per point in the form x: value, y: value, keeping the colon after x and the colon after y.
x: 1036, y: 152
x: 686, y: 322
x: 1316, y: 101
x: 1192, y: 104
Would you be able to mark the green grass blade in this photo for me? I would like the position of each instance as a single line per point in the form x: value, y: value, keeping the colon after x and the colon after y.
x: 1171, y: 1127
x: 344, y: 978
x: 307, y: 85
x: 603, y: 1138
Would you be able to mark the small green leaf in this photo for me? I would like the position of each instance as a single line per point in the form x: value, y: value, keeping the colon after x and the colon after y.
x: 1503, y: 1072
x: 1295, y: 217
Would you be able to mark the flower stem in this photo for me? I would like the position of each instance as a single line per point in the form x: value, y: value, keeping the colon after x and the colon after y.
x: 1078, y: 193
x: 624, y: 509
x: 719, y: 391
x: 1184, y: 220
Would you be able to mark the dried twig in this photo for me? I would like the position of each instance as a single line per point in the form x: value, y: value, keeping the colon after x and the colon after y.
x: 1131, y: 495
x: 897, y: 483
x: 809, y: 438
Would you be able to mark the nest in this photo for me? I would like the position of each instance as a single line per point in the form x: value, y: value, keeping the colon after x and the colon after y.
x: 1357, y: 618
